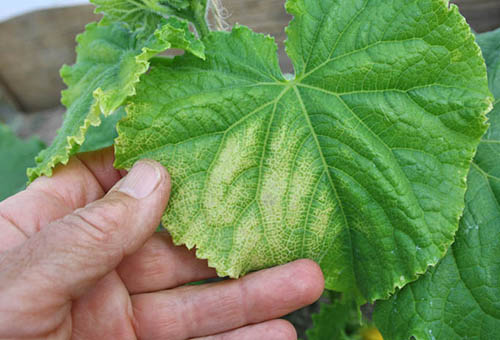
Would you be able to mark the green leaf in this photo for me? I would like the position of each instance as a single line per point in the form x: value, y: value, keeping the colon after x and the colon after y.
x: 16, y: 155
x: 333, y: 320
x: 341, y: 320
x: 110, y: 60
x: 460, y: 297
x: 102, y: 136
x: 145, y: 13
x: 137, y: 13
x: 359, y: 162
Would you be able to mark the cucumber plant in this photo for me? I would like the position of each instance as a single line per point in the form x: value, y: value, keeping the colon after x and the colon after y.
x: 360, y: 160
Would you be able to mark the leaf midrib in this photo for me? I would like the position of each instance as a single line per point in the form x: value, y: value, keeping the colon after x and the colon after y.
x: 327, y: 171
x: 261, y: 163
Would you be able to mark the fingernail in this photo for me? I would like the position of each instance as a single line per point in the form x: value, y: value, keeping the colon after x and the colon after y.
x: 142, y: 180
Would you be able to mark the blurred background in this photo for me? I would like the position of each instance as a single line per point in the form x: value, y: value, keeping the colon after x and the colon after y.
x: 38, y: 36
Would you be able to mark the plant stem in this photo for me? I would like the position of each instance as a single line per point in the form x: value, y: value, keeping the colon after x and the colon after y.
x: 199, y: 11
x: 201, y: 27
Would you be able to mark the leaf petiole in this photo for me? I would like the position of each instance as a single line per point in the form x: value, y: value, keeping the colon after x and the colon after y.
x: 199, y: 17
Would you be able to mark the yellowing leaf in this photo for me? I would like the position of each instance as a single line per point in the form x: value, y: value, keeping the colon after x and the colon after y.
x: 359, y: 162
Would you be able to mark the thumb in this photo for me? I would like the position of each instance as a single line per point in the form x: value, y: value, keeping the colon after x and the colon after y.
x: 70, y: 255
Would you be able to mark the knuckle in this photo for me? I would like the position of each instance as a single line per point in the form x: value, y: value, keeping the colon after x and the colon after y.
x: 99, y: 221
x: 168, y: 326
x: 241, y: 305
x: 82, y: 224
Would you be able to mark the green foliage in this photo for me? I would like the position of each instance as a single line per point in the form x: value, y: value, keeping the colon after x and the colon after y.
x: 110, y: 59
x: 334, y: 321
x: 460, y: 297
x: 145, y: 13
x: 341, y: 320
x: 102, y: 136
x: 16, y: 156
x: 359, y: 162
x: 136, y: 13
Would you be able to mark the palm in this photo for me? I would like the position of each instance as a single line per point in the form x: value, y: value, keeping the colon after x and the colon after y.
x: 104, y: 312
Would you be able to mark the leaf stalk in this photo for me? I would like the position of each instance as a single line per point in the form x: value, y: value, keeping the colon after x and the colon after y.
x: 199, y: 17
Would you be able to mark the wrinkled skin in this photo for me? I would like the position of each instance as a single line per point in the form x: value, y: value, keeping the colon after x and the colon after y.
x: 79, y: 259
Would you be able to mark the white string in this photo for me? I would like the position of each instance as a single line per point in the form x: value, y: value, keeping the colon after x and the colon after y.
x: 220, y: 14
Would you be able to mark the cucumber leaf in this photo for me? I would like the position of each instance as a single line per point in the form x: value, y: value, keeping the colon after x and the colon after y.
x: 138, y: 13
x: 460, y: 297
x: 16, y: 155
x: 333, y: 321
x: 102, y: 136
x: 110, y: 60
x: 341, y: 319
x: 358, y: 162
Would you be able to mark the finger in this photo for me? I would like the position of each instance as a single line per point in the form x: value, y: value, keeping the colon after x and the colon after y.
x: 193, y: 311
x: 50, y: 198
x: 269, y: 330
x: 70, y: 255
x: 160, y: 265
x: 100, y: 164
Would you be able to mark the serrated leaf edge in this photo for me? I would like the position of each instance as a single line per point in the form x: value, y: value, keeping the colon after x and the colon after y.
x: 93, y: 118
x: 488, y: 105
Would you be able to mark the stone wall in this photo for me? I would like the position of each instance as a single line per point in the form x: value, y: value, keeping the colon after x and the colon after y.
x: 33, y: 48
x: 482, y: 15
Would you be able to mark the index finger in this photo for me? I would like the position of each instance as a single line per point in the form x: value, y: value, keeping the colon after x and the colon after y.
x: 86, y: 178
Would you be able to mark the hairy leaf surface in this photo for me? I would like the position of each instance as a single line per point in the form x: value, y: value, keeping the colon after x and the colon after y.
x: 110, y: 60
x: 16, y: 156
x: 141, y: 14
x: 460, y: 297
x: 359, y: 162
x: 138, y: 13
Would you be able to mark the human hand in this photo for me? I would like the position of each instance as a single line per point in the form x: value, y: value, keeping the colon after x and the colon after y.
x: 79, y: 259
